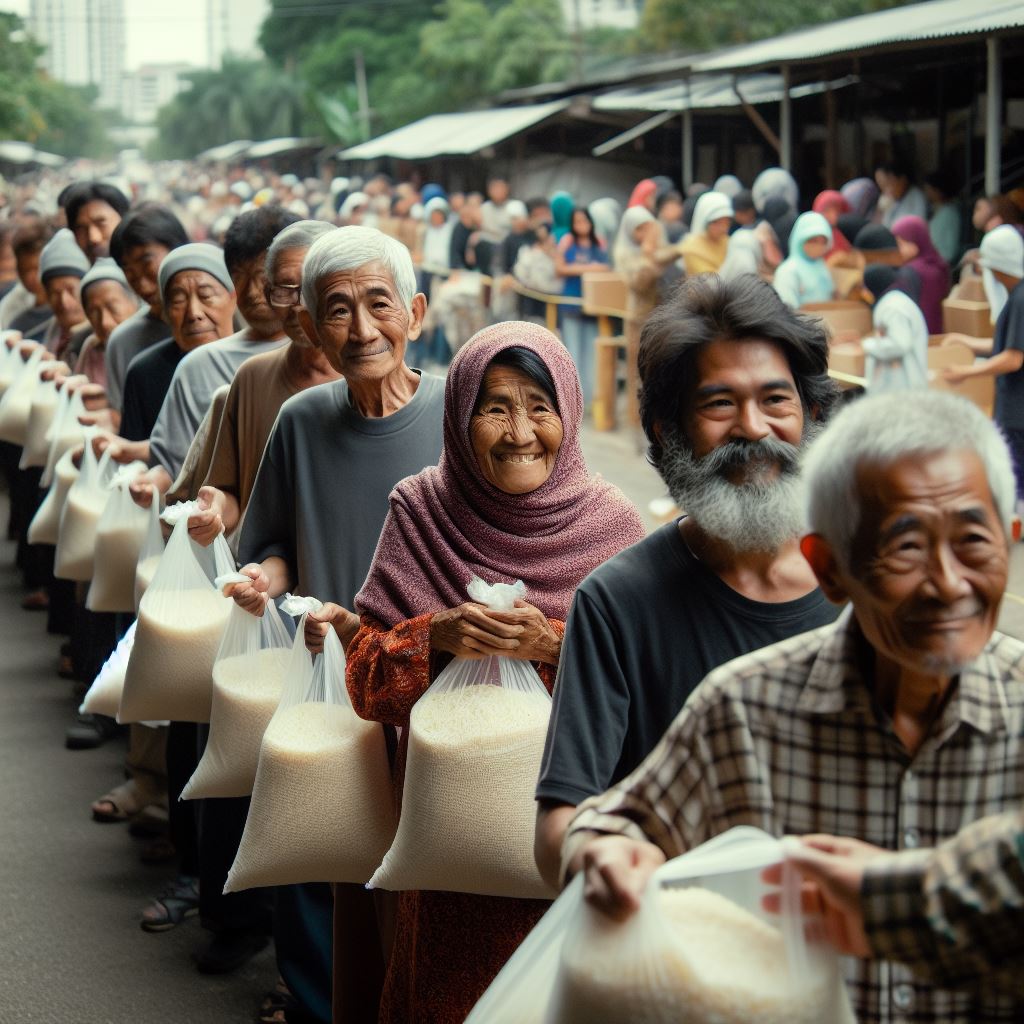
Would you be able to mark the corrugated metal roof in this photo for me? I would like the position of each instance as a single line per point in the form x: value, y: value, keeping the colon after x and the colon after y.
x: 940, y: 19
x: 712, y: 93
x: 453, y: 134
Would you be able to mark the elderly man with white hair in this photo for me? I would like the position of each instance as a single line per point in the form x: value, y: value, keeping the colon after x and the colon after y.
x: 897, y: 725
x: 321, y: 494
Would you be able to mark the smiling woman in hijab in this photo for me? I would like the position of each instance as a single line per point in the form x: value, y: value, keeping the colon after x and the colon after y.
x: 705, y: 247
x: 484, y: 510
x: 919, y: 252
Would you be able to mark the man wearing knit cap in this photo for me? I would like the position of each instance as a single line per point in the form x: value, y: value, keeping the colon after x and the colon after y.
x: 198, y: 298
x: 62, y: 265
x: 1002, y: 264
x: 108, y: 301
x: 199, y: 376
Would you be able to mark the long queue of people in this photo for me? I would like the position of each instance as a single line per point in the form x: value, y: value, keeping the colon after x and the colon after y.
x: 702, y: 677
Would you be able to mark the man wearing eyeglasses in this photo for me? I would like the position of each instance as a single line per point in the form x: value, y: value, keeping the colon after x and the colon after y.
x: 260, y: 387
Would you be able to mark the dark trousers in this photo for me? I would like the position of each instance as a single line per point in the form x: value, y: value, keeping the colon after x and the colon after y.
x: 221, y: 822
x: 181, y: 763
x: 358, y: 957
x: 1015, y: 439
x: 303, y: 938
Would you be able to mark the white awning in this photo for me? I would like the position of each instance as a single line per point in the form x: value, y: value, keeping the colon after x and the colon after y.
x: 717, y: 92
x: 274, y: 147
x: 938, y: 20
x: 13, y: 152
x: 227, y: 151
x: 459, y: 134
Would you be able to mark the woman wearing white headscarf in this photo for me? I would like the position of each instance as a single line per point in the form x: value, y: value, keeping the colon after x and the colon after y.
x: 729, y: 185
x: 775, y: 182
x: 752, y: 251
x: 704, y: 249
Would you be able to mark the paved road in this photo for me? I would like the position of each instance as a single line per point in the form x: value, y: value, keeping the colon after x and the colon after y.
x: 71, y: 950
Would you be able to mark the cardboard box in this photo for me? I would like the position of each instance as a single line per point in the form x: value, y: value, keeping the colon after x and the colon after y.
x: 971, y: 287
x: 604, y: 292
x: 967, y: 316
x: 842, y: 316
x: 846, y: 279
x: 847, y: 358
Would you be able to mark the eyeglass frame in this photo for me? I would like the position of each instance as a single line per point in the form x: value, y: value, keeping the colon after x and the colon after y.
x: 294, y: 294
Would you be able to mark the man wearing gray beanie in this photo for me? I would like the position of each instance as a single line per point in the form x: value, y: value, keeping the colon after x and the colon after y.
x: 62, y: 265
x: 108, y: 301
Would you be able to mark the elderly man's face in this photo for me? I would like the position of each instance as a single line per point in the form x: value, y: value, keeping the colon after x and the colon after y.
x: 250, y: 288
x: 928, y: 562
x: 107, y: 304
x: 142, y: 268
x: 283, y: 293
x: 198, y: 308
x: 93, y: 227
x: 62, y: 293
x: 362, y: 324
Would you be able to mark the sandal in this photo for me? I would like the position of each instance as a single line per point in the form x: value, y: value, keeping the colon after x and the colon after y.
x: 120, y: 804
x: 177, y: 902
x: 273, y: 1008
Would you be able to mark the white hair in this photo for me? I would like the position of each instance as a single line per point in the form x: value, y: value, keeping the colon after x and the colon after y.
x: 350, y: 247
x: 300, y: 235
x: 883, y: 429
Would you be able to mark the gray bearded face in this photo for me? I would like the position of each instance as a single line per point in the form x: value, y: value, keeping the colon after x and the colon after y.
x: 747, y: 494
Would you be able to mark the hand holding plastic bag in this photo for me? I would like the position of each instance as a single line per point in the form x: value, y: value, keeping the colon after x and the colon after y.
x: 700, y: 949
x: 76, y: 542
x: 120, y: 534
x: 65, y: 431
x: 476, y: 738
x: 182, y: 617
x: 248, y: 677
x: 322, y: 804
x: 45, y: 525
x: 16, y: 403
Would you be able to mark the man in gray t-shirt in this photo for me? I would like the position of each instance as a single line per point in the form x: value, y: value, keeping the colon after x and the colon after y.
x: 139, y: 332
x: 321, y: 494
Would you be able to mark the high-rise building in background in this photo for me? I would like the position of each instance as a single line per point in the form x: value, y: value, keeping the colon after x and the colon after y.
x: 85, y: 43
x: 233, y: 26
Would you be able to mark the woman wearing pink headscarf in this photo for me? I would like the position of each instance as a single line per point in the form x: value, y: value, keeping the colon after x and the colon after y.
x: 832, y: 205
x: 510, y: 499
x: 644, y: 194
x: 918, y: 252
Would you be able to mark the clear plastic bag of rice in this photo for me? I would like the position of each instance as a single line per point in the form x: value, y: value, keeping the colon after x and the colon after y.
x: 41, y: 414
x: 323, y: 806
x: 700, y: 950
x: 16, y: 403
x: 10, y: 358
x: 476, y: 738
x: 80, y: 517
x: 181, y: 621
x: 150, y: 553
x: 65, y: 431
x: 104, y: 696
x: 248, y: 677
x: 45, y: 525
x: 119, y: 537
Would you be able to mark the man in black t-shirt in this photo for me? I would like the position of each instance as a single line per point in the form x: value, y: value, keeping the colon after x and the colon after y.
x: 733, y: 383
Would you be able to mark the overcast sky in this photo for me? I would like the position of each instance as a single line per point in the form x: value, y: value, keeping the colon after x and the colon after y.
x: 160, y: 31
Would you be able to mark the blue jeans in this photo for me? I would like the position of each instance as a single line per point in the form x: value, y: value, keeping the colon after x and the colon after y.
x: 579, y: 335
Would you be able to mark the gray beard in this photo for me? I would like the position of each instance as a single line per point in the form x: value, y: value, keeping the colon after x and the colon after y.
x: 762, y: 513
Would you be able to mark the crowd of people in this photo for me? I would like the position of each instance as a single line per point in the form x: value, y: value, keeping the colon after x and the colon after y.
x: 809, y: 648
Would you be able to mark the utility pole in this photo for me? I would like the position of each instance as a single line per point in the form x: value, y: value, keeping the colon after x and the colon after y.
x: 362, y: 94
x: 577, y: 40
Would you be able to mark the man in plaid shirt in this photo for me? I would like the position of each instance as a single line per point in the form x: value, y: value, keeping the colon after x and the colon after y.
x: 898, y: 725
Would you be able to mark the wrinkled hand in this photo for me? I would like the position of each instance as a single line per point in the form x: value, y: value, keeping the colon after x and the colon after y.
x: 956, y: 374
x: 469, y: 632
x: 538, y: 641
x: 94, y: 397
x: 141, y: 490
x: 76, y: 455
x: 102, y: 441
x: 252, y: 597
x: 54, y: 370
x: 344, y: 623
x: 26, y: 348
x: 616, y: 872
x: 13, y: 339
x: 206, y: 525
x: 833, y: 870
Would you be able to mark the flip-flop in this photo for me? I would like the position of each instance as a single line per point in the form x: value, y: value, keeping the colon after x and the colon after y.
x: 176, y: 903
x: 107, y: 817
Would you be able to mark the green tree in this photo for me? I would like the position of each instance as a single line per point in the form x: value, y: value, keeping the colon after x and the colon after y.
x: 244, y: 99
x: 694, y: 26
x: 35, y: 108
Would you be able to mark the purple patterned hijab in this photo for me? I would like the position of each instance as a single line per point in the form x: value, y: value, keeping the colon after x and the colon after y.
x: 448, y: 524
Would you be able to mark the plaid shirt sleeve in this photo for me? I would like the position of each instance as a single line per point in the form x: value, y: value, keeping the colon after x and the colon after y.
x: 954, y: 914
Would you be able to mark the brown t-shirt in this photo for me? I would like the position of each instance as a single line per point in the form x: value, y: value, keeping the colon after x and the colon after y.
x: 262, y: 384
